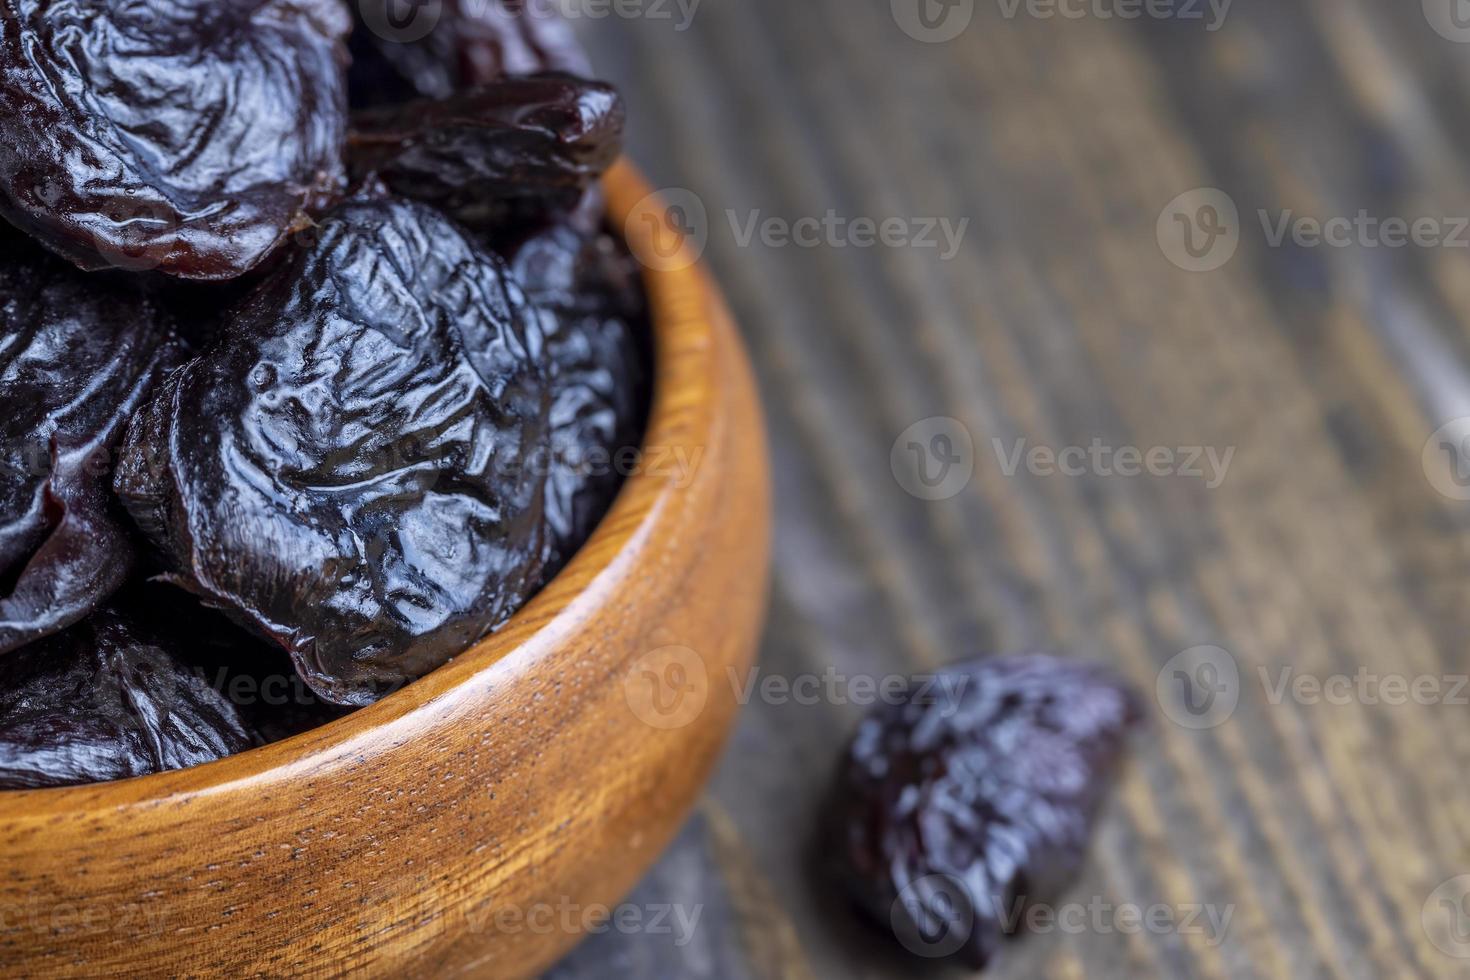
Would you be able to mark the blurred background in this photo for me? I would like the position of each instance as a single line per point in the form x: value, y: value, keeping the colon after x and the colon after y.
x: 1210, y: 260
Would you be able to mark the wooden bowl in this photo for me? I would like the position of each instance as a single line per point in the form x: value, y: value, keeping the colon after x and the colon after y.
x: 465, y: 823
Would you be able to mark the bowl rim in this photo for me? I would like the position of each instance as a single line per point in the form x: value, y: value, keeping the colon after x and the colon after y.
x: 680, y: 382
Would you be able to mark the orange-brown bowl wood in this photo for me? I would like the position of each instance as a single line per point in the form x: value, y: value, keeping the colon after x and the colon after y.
x: 437, y: 832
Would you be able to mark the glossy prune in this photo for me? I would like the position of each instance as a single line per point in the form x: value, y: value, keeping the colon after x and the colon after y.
x: 107, y: 700
x: 255, y: 675
x: 513, y: 153
x: 402, y: 49
x: 594, y: 315
x: 976, y: 794
x: 78, y: 354
x: 187, y: 136
x: 356, y: 470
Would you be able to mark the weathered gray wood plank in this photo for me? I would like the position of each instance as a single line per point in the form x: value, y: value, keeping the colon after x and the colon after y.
x: 1324, y: 829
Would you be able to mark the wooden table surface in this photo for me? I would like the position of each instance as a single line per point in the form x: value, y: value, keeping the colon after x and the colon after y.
x: 1331, y: 828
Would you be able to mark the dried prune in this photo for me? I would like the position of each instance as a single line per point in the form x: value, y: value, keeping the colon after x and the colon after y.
x: 78, y: 354
x: 356, y: 470
x: 515, y: 152
x: 595, y: 320
x: 187, y: 136
x: 106, y: 700
x: 257, y: 677
x: 433, y: 48
x: 975, y: 794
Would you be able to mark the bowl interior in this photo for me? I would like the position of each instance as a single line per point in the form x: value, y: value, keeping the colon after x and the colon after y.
x: 679, y: 384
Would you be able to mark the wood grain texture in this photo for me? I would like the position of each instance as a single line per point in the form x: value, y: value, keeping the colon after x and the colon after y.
x: 474, y: 822
x: 1324, y: 828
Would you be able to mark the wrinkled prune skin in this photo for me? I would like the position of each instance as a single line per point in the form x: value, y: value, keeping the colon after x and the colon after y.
x: 516, y: 152
x: 595, y: 318
x: 108, y: 700
x: 78, y: 354
x: 184, y: 136
x: 356, y: 471
x: 405, y: 49
x: 974, y: 794
x: 255, y: 675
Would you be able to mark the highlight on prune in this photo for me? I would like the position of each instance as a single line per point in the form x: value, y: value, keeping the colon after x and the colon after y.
x: 975, y: 795
x: 186, y: 136
x: 354, y: 471
x: 108, y: 699
x: 78, y: 354
x: 402, y: 49
x: 516, y: 152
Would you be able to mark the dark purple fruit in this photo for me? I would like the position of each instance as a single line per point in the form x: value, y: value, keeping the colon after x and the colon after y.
x: 357, y: 470
x: 187, y: 136
x: 510, y: 154
x: 594, y: 315
x: 105, y: 700
x: 78, y: 354
x: 404, y: 49
x: 975, y: 796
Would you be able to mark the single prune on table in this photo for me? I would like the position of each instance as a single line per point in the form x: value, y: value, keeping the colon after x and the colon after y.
x: 108, y: 699
x: 975, y: 795
x: 512, y: 153
x: 594, y: 315
x: 356, y: 470
x: 187, y: 136
x: 78, y: 354
x: 402, y: 49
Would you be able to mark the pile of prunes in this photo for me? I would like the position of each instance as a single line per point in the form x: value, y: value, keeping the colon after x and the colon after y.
x: 314, y: 351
